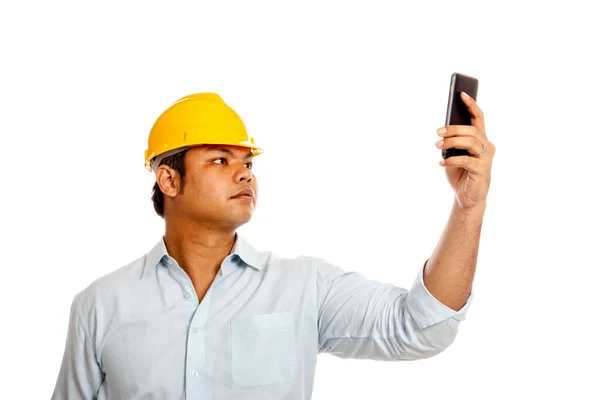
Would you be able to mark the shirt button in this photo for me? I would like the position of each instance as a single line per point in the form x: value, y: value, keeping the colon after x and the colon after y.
x: 195, y: 373
x: 186, y: 295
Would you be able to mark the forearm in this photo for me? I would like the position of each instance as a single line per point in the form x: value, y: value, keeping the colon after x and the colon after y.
x: 450, y: 270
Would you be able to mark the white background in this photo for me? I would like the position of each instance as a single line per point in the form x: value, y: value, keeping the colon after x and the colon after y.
x: 345, y: 97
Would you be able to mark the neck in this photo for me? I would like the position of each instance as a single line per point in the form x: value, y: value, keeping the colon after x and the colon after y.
x: 198, y: 249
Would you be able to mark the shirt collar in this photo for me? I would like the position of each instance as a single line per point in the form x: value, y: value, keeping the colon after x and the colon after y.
x: 247, y: 253
x: 241, y: 249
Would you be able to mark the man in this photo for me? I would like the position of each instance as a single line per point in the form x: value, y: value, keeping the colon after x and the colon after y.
x: 204, y: 315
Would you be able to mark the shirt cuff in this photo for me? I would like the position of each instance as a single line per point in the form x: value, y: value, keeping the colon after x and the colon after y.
x: 426, y: 310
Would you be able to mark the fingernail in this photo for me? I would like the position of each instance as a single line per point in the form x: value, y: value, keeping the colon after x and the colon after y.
x: 441, y: 131
x: 466, y: 95
x: 440, y: 143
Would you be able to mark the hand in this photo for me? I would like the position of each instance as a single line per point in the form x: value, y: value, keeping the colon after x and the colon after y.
x: 469, y: 176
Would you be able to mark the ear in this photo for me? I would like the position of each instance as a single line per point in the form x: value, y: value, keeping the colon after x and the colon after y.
x: 168, y: 180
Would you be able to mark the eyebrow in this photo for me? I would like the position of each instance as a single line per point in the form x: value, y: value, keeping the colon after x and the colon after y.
x: 229, y: 152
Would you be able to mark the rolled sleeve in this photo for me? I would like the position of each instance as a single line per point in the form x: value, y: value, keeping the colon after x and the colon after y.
x: 362, y: 318
x: 426, y: 310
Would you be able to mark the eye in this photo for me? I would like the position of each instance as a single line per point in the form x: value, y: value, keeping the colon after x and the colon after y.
x: 223, y: 160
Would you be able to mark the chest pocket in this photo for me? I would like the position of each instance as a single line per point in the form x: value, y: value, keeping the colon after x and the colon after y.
x: 262, y: 348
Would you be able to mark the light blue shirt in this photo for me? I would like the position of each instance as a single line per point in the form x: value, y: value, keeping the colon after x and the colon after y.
x: 139, y: 332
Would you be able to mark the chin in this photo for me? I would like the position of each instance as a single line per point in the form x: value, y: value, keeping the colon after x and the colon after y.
x: 244, y: 221
x: 240, y: 220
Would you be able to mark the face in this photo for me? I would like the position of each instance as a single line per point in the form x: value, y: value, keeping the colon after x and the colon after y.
x: 214, y: 175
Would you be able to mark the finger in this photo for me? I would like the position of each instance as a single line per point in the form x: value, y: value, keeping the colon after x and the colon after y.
x: 457, y: 130
x: 477, y: 119
x: 470, y: 143
x: 474, y: 165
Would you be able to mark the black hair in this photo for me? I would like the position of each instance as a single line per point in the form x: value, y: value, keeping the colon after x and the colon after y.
x: 175, y: 161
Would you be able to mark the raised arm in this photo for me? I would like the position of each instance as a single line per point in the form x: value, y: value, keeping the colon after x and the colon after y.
x: 451, y: 268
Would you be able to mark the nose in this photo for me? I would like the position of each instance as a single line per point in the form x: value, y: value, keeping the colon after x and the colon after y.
x: 243, y: 174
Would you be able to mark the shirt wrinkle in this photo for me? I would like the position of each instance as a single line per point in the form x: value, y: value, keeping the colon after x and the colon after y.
x: 259, y: 328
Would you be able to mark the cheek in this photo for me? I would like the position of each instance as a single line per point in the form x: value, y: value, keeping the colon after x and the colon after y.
x: 201, y: 189
x: 213, y: 189
x: 255, y: 186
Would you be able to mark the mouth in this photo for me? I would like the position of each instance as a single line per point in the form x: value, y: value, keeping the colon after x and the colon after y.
x: 246, y: 195
x: 243, y: 197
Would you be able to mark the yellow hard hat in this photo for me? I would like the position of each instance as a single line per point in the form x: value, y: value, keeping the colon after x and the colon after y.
x: 194, y: 120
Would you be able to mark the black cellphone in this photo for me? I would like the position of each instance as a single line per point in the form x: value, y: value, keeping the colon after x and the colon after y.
x: 457, y: 112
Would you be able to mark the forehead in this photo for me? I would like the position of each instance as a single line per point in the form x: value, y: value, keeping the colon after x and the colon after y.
x: 222, y: 148
x: 235, y: 151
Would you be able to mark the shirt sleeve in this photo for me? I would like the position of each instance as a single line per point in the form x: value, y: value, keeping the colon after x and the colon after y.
x: 361, y: 318
x: 80, y: 375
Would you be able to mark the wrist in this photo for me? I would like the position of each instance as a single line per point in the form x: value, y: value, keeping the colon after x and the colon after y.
x: 474, y: 211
